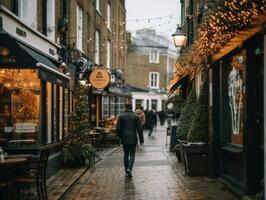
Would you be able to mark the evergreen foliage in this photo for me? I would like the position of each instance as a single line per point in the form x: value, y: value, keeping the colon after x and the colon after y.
x: 199, y: 130
x: 186, y: 116
x: 77, y: 150
x: 79, y: 119
x: 178, y: 103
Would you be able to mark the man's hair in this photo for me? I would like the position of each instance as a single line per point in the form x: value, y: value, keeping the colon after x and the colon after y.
x: 128, y: 106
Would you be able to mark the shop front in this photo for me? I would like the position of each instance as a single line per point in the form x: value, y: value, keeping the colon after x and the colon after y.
x: 237, y: 79
x: 34, y: 99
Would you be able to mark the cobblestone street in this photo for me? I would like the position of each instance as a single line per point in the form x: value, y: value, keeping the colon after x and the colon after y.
x: 156, y: 176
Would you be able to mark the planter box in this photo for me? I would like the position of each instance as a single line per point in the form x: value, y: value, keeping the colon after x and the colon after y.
x: 196, y: 158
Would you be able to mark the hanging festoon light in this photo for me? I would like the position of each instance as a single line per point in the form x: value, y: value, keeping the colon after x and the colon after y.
x: 221, y: 22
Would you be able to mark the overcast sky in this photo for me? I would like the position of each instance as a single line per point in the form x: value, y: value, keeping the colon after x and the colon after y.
x: 162, y: 15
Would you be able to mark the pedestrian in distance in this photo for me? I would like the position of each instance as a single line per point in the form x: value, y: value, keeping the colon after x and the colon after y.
x: 129, y: 129
x: 150, y: 120
x: 139, y: 111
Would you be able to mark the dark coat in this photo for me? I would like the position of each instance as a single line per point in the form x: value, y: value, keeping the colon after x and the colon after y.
x: 150, y: 119
x: 127, y: 128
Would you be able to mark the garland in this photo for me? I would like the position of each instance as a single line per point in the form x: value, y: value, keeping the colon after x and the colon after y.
x: 220, y: 23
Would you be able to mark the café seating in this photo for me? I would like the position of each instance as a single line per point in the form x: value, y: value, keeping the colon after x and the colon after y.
x: 34, y: 173
x: 5, y: 183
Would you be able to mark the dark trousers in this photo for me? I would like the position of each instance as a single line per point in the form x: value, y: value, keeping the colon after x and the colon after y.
x: 129, y: 155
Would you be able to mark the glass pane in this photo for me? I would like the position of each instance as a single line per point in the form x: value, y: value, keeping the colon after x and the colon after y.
x: 60, y: 113
x: 66, y: 112
x: 237, y: 96
x: 49, y: 111
x: 19, y: 106
x: 55, y: 124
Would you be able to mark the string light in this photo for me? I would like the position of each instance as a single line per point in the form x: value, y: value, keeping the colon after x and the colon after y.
x: 221, y: 23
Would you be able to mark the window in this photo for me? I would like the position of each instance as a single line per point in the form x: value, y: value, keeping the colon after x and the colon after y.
x: 154, y: 80
x: 108, y: 54
x: 79, y: 27
x: 97, y: 5
x: 109, y: 16
x: 27, y: 12
x: 97, y: 47
x: 49, y: 111
x: 154, y: 104
x: 154, y: 56
x: 237, y: 97
x: 51, y: 19
x: 105, y: 106
x: 19, y: 106
x: 120, y: 105
x: 61, y: 117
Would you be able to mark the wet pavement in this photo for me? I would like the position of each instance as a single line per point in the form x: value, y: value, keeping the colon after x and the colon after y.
x: 156, y: 176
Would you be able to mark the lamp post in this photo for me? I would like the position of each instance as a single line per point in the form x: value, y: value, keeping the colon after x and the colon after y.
x: 180, y: 38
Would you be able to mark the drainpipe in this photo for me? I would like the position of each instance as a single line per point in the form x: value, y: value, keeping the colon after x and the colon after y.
x: 64, y: 35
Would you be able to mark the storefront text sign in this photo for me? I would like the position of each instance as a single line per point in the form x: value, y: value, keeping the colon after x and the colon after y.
x: 99, y: 78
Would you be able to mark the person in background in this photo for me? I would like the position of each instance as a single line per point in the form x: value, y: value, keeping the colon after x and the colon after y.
x: 162, y: 117
x: 139, y: 111
x: 150, y: 120
x: 127, y: 128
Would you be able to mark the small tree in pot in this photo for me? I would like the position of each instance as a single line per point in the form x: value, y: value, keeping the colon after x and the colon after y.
x: 184, y: 124
x: 77, y: 150
x: 197, y: 150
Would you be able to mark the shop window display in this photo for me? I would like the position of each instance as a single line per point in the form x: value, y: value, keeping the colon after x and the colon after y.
x: 236, y: 94
x: 19, y: 106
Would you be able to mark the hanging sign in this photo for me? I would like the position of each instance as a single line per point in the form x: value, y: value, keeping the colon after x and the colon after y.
x: 99, y: 78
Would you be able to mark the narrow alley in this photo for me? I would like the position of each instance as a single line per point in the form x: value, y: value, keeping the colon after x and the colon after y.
x: 156, y: 176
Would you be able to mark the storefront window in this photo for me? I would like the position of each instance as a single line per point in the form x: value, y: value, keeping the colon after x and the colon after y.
x: 105, y: 108
x: 19, y: 106
x: 237, y: 96
x: 66, y: 112
x: 120, y: 105
x: 49, y: 111
x: 55, y: 112
x: 60, y: 113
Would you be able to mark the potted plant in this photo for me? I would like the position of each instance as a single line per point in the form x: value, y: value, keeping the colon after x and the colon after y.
x: 197, y: 149
x: 77, y: 150
x: 75, y: 155
x: 184, y: 124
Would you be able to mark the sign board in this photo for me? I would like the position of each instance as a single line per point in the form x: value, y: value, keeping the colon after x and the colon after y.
x: 99, y: 78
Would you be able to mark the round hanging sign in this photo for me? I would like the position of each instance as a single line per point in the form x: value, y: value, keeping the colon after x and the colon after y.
x: 99, y: 78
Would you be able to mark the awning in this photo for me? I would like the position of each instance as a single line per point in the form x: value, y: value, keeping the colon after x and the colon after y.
x: 118, y: 91
x: 15, y: 54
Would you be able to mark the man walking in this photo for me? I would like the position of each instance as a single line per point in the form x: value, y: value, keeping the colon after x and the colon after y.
x: 127, y: 128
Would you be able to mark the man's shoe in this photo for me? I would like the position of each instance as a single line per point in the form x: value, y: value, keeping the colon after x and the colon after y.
x: 129, y: 174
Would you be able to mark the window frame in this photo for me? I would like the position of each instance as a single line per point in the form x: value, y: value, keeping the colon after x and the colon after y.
x: 154, y: 84
x: 79, y: 27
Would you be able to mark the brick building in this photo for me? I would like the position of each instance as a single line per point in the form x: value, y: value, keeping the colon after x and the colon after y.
x: 150, y: 64
x: 45, y: 47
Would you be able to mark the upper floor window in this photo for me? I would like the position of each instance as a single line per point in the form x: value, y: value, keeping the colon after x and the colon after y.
x: 97, y: 47
x: 108, y: 54
x: 51, y: 19
x: 154, y: 56
x: 154, y: 80
x: 27, y: 12
x: 97, y: 5
x: 109, y: 16
x: 79, y: 27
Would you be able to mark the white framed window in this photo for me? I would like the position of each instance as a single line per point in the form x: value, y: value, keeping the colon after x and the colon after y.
x: 108, y: 54
x: 27, y: 12
x: 97, y: 47
x: 154, y: 56
x: 154, y: 80
x: 97, y: 5
x: 51, y: 19
x: 109, y: 16
x: 79, y: 27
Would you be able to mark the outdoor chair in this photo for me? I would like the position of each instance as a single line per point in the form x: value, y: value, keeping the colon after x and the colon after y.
x: 34, y: 173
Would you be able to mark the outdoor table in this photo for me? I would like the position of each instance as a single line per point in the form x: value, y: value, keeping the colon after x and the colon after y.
x: 8, y: 167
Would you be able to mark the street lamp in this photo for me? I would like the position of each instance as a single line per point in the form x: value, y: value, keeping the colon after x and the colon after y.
x: 179, y: 37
